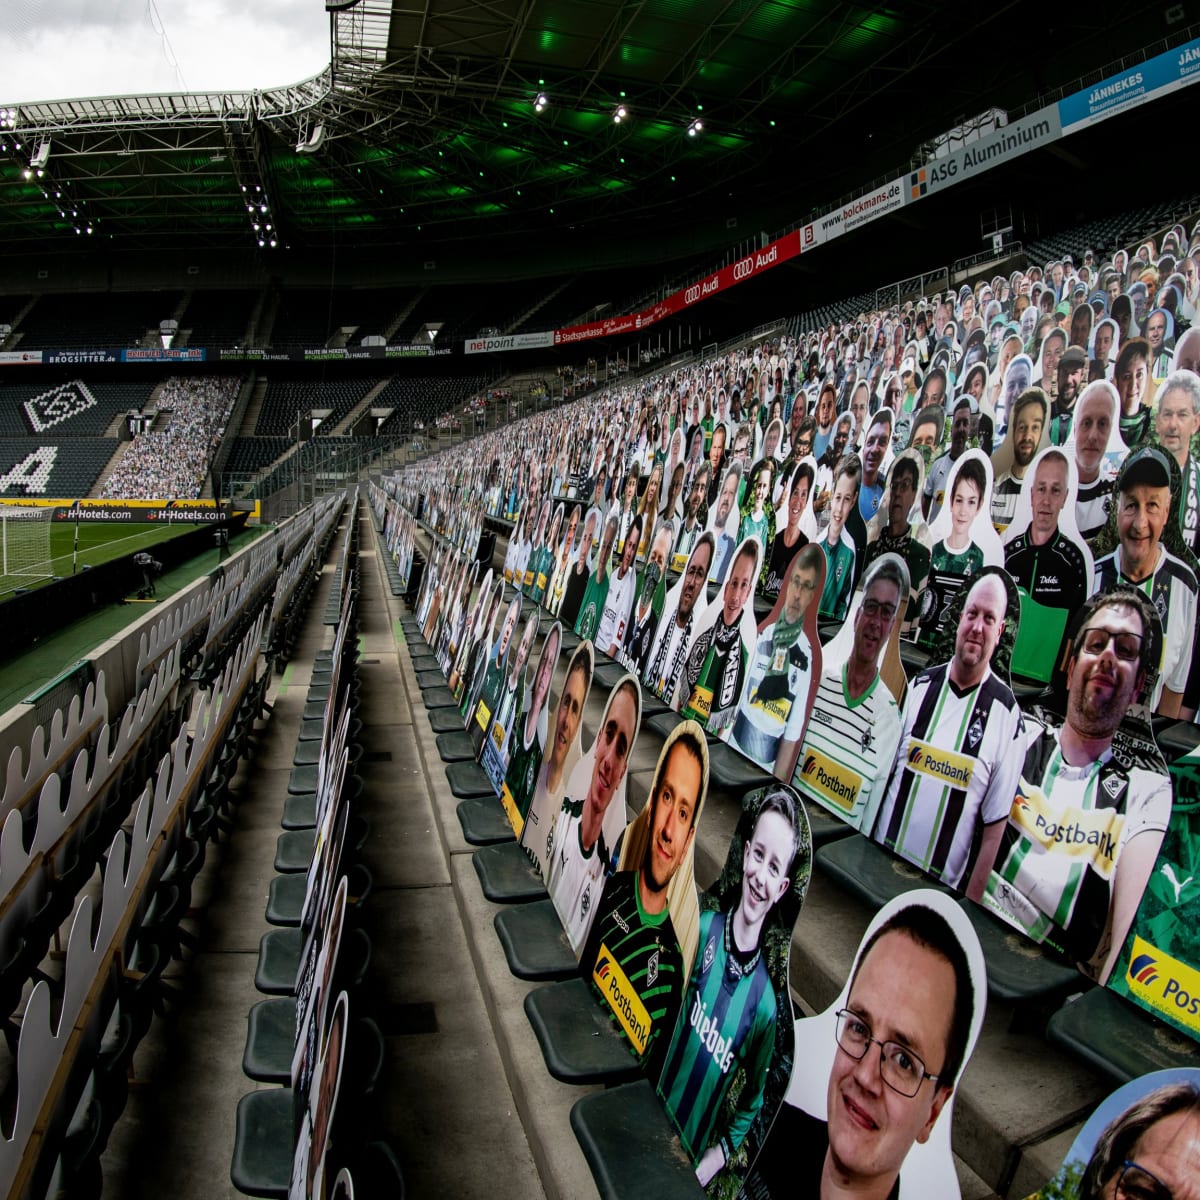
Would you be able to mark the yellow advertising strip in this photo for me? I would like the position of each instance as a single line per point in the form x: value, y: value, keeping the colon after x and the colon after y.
x: 1164, y: 984
x: 942, y: 765
x: 621, y: 997
x: 1092, y: 834
x: 254, y: 507
x: 830, y: 781
x: 510, y: 807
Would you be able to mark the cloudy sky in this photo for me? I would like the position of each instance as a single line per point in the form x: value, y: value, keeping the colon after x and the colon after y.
x: 58, y: 49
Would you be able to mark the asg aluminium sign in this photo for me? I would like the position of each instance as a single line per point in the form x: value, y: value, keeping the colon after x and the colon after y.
x: 1011, y: 141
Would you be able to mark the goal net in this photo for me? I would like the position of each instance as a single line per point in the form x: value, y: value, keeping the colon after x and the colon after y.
x: 24, y: 545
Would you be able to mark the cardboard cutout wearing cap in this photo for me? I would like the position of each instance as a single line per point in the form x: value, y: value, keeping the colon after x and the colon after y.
x: 793, y: 1159
x: 1167, y: 571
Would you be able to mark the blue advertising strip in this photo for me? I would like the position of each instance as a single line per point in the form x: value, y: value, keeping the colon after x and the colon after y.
x: 1156, y: 77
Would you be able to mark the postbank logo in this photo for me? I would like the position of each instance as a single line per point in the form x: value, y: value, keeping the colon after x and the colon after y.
x: 1164, y: 984
x: 830, y: 782
x: 942, y: 765
x: 1077, y: 833
x: 622, y: 998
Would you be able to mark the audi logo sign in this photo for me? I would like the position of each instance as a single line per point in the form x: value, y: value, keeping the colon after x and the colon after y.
x: 692, y: 294
x: 743, y: 269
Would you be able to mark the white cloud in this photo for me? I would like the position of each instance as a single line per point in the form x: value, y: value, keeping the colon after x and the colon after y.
x: 59, y: 49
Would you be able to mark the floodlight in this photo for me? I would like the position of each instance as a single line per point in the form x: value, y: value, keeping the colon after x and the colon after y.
x: 697, y: 126
x: 619, y: 114
x: 540, y: 101
x: 42, y: 157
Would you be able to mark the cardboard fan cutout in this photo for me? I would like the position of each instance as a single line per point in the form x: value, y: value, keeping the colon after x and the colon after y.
x: 784, y: 668
x: 962, y: 538
x: 848, y: 749
x: 1048, y: 560
x: 1143, y: 1140
x: 730, y: 1055
x: 719, y: 654
x: 958, y: 758
x: 643, y: 933
x: 1093, y: 797
x: 871, y: 1103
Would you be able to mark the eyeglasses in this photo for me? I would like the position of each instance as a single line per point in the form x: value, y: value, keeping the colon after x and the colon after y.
x: 1126, y: 646
x: 899, y: 1067
x: 876, y: 608
x: 1136, y: 1183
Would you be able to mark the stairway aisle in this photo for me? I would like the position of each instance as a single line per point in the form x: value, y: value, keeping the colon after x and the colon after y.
x: 445, y: 1106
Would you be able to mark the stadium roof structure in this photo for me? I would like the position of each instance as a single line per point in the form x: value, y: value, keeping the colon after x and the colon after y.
x: 426, y: 127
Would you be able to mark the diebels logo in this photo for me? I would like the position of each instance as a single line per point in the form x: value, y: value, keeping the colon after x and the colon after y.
x: 708, y: 1030
x: 943, y: 765
x: 1164, y: 984
x: 622, y: 998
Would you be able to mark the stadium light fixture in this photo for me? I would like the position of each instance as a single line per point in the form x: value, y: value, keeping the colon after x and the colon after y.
x: 540, y: 101
x: 697, y: 126
x: 41, y: 157
x: 619, y: 114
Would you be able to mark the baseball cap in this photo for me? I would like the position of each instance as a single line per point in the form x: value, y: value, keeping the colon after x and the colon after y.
x: 1147, y: 465
x: 1072, y: 357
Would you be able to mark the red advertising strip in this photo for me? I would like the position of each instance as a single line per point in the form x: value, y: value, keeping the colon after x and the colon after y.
x: 777, y: 252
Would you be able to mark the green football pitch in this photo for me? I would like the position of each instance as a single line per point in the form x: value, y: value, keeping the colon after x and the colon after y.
x: 97, y: 544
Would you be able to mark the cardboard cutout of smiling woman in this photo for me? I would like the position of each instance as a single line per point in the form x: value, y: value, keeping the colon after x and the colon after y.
x: 1048, y: 560
x: 1143, y: 1140
x: 731, y: 1051
x: 557, y: 760
x: 718, y: 658
x: 871, y: 1107
x: 583, y: 848
x: 964, y: 540
x: 773, y: 712
x: 643, y: 938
